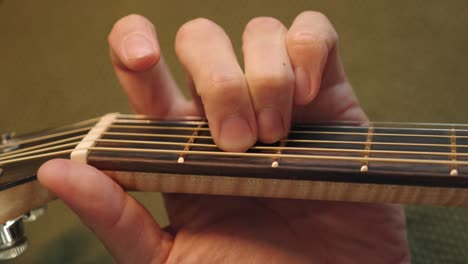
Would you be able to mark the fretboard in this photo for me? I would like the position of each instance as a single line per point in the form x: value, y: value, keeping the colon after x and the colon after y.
x: 380, y: 162
x: 377, y: 153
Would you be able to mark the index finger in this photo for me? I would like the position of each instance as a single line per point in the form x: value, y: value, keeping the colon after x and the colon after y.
x: 141, y: 70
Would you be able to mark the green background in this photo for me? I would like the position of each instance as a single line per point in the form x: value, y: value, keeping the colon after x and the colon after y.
x: 405, y: 59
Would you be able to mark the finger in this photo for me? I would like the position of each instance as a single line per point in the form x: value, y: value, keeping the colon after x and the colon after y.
x: 206, y: 53
x: 310, y: 42
x: 269, y: 75
x: 141, y: 70
x: 125, y: 227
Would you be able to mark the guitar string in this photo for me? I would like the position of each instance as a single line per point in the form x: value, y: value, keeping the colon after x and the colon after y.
x: 72, y: 144
x: 3, y: 157
x: 287, y: 140
x: 21, y: 150
x: 45, y: 137
x: 273, y: 148
x: 86, y: 129
x: 238, y: 154
x: 64, y: 133
x: 9, y: 154
x: 27, y: 139
x: 296, y: 132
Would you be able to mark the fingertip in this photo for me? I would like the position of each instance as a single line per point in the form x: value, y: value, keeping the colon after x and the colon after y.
x: 133, y: 43
x: 236, y: 135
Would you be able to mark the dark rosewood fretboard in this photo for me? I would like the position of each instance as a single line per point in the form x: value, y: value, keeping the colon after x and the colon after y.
x: 381, y: 162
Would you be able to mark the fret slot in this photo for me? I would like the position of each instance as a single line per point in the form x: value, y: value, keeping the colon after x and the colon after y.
x: 453, y: 151
x: 276, y: 160
x: 367, y: 148
x: 191, y: 140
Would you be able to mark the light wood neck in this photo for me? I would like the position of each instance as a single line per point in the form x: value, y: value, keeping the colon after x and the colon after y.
x: 376, y: 162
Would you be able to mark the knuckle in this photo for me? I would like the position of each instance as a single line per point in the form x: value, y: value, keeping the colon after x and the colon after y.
x: 226, y: 85
x: 325, y: 37
x: 268, y: 24
x: 276, y: 82
x: 321, y: 42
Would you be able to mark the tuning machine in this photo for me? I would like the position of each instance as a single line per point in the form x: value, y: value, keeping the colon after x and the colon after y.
x: 7, y: 142
x: 13, y: 242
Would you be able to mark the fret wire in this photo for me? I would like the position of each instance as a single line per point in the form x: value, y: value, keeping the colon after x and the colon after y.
x: 367, y: 149
x: 264, y: 155
x: 282, y: 148
x: 74, y: 144
x: 279, y: 150
x: 40, y: 146
x: 300, y: 132
x: 187, y: 145
x: 453, y: 157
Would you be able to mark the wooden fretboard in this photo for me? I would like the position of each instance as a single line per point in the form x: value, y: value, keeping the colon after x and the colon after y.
x: 378, y: 162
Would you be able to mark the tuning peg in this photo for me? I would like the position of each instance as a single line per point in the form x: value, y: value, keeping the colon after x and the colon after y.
x: 13, y: 242
x: 6, y: 140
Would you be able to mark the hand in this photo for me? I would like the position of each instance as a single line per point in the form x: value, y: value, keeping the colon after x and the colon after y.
x: 290, y: 75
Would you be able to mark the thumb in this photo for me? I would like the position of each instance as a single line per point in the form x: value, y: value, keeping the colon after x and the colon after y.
x: 125, y: 227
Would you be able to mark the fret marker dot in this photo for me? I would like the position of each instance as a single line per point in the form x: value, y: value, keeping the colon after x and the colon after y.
x: 364, y: 168
x: 275, y: 164
x: 454, y: 172
x: 181, y: 160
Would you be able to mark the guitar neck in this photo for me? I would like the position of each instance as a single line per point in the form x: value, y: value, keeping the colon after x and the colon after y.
x: 378, y: 162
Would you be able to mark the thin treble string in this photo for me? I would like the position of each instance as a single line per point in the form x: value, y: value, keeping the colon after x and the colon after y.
x: 56, y: 153
x: 282, y: 155
x: 297, y: 132
x: 375, y: 124
x: 21, y: 150
x: 49, y: 136
x: 286, y: 140
x: 72, y: 144
x: 237, y: 154
x: 274, y: 148
x: 68, y: 127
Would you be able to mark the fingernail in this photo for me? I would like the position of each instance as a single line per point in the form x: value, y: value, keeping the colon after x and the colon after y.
x: 138, y: 45
x: 271, y: 125
x: 236, y: 134
x: 302, y: 86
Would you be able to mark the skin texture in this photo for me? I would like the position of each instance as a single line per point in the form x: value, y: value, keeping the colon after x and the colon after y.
x: 290, y: 75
